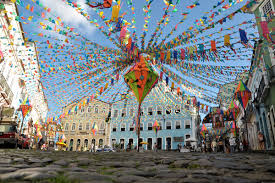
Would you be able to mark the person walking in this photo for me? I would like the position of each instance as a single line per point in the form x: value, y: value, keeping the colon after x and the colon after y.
x: 232, y: 143
x: 214, y: 146
x: 155, y: 147
x: 261, y: 140
x: 220, y: 144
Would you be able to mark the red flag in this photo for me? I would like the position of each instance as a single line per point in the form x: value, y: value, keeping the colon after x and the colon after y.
x: 25, y: 109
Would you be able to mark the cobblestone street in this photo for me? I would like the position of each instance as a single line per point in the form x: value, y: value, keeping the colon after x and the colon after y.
x: 37, y: 166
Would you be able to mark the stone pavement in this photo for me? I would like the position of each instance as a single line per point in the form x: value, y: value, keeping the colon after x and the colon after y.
x: 127, y: 167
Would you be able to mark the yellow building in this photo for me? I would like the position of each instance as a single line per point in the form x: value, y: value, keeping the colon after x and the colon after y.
x: 78, y: 125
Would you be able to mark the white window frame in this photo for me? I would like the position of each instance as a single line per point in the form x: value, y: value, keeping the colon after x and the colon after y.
x: 176, y: 124
x: 185, y: 123
x: 167, y: 125
x: 67, y: 127
x: 121, y: 126
x: 166, y: 107
x: 132, y: 126
x: 161, y: 109
x: 73, y: 125
x: 115, y: 113
x: 149, y: 126
x: 123, y: 111
x: 96, y: 110
x: 262, y: 10
x: 142, y: 126
x: 114, y: 126
x: 186, y: 135
x: 150, y: 107
x: 80, y: 125
x: 87, y: 125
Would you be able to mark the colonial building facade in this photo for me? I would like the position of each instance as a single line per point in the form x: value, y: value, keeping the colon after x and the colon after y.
x: 259, y: 115
x: 19, y: 68
x: 78, y: 125
x: 178, y: 120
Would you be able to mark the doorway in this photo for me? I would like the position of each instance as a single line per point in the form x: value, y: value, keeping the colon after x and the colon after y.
x: 149, y: 146
x: 121, y: 143
x: 159, y: 143
x: 139, y: 141
x: 131, y: 142
x: 71, y: 144
x: 168, y: 143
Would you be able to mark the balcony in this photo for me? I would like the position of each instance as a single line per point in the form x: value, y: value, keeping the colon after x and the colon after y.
x: 5, y: 90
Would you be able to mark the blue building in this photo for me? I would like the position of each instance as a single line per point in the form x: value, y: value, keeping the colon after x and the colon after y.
x: 177, y: 117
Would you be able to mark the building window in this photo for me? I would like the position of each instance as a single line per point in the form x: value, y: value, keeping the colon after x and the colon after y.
x: 100, y: 143
x: 82, y: 110
x: 168, y: 110
x: 132, y: 127
x: 86, y: 143
x: 141, y: 126
x: 96, y: 109
x: 87, y: 126
x: 122, y: 127
x: 102, y: 126
x: 159, y: 110
x: 268, y: 10
x: 131, y: 112
x: 150, y: 111
x: 160, y: 126
x: 115, y: 113
x: 187, y: 137
x: 103, y: 110
x: 114, y: 127
x: 187, y: 124
x: 80, y: 126
x: 168, y: 125
x: 89, y: 109
x: 123, y: 113
x: 67, y: 127
x: 177, y: 110
x: 150, y: 126
x: 177, y: 124
x: 73, y: 127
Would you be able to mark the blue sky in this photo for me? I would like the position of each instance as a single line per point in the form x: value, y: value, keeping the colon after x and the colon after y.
x: 73, y: 19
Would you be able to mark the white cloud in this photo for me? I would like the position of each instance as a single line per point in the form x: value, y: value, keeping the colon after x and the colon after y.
x: 70, y: 16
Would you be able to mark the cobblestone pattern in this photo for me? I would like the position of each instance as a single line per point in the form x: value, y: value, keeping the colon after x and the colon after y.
x: 127, y: 167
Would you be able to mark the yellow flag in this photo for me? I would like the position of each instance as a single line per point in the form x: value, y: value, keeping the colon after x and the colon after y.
x: 28, y: 7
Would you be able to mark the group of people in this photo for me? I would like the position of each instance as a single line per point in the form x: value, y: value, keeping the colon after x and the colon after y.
x: 223, y: 144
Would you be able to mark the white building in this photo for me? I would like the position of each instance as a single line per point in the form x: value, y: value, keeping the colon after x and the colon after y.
x: 19, y: 67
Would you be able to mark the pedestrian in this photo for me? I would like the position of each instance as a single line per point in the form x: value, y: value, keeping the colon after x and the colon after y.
x: 220, y: 144
x: 214, y: 146
x: 232, y: 143
x: 203, y: 147
x: 261, y: 140
x: 241, y: 146
x: 155, y: 147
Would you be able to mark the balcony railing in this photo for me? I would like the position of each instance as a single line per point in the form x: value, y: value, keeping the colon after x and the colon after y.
x: 5, y: 87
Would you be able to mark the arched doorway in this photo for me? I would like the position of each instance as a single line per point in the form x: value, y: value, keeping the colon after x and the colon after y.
x: 78, y: 148
x: 100, y: 143
x: 149, y: 146
x: 71, y: 145
x: 159, y: 143
x: 168, y: 143
x: 85, y: 144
